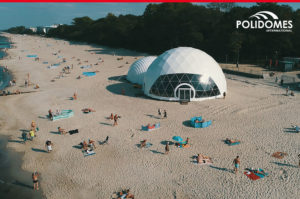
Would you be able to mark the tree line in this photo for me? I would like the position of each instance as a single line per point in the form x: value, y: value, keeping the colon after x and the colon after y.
x: 210, y: 28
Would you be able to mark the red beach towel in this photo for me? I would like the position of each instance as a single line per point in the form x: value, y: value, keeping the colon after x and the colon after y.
x: 251, y: 175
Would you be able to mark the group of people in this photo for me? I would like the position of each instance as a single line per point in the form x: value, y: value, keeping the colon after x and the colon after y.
x: 115, y: 117
x: 160, y: 113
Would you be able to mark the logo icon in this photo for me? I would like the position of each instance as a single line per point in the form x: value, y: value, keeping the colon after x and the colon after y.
x: 265, y: 20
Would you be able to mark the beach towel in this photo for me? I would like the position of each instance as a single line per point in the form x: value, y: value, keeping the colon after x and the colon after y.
x: 151, y: 128
x: 232, y: 144
x: 89, y: 74
x: 88, y: 154
x: 58, y: 64
x: 31, y: 55
x: 64, y: 114
x: 73, y: 131
x: 87, y: 66
x: 251, y: 175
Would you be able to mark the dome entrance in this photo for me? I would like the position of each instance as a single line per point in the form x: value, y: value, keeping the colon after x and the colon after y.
x: 184, y: 92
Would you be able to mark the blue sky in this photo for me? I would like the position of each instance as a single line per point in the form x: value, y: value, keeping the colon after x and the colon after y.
x: 36, y: 14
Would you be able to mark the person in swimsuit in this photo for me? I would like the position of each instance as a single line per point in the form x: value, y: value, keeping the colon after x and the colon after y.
x: 111, y: 116
x: 62, y: 131
x: 92, y: 144
x: 35, y: 180
x: 236, y: 163
x: 143, y: 143
x: 115, y: 120
x: 167, y: 148
x: 50, y: 114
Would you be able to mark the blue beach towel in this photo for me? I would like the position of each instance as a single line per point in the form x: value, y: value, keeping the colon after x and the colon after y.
x: 88, y: 74
x: 31, y: 55
x: 88, y: 154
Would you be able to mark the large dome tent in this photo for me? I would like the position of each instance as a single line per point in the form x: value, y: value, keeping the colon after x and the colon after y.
x: 184, y: 73
x: 138, y: 69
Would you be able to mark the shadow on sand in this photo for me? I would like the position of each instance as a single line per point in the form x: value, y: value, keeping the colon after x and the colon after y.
x: 187, y: 123
x: 221, y: 169
x: 157, y: 152
x: 39, y: 150
x: 283, y: 164
x: 22, y: 184
x: 125, y: 89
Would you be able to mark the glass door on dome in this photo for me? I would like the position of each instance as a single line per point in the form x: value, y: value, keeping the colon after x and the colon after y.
x: 184, y: 93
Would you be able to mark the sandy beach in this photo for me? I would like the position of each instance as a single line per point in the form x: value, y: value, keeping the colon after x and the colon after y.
x: 256, y: 112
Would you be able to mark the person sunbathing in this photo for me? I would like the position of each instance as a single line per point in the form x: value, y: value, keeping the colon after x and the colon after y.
x: 36, y: 86
x: 198, y: 121
x: 62, y: 131
x: 92, y: 143
x: 143, y: 143
x: 84, y: 145
x: 88, y: 110
x: 231, y: 141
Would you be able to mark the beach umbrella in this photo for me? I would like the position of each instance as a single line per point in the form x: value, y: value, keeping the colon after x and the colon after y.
x: 177, y: 138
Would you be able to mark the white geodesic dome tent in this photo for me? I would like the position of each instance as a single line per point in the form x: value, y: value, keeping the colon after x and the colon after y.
x: 138, y: 69
x: 184, y: 73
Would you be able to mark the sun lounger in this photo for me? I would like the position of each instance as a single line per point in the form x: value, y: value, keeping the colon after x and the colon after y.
x: 151, y: 128
x: 64, y: 114
x: 88, y: 153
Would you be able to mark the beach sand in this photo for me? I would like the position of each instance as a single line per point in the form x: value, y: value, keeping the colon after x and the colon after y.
x: 254, y: 112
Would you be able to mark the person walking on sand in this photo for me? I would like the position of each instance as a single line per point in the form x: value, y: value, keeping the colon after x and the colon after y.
x: 159, y: 112
x: 236, y: 163
x: 24, y: 137
x: 287, y: 91
x: 299, y: 159
x: 35, y: 180
x: 167, y: 149
x: 165, y: 114
x: 49, y: 146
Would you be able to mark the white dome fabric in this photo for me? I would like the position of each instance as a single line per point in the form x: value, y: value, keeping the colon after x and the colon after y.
x: 185, y: 60
x: 138, y: 69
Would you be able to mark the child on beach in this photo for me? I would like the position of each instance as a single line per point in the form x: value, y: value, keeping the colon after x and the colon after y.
x: 24, y: 136
x: 167, y: 149
x: 31, y: 133
x: 49, y: 146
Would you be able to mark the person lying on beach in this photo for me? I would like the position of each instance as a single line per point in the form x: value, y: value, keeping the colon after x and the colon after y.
x: 62, y: 131
x: 36, y: 86
x: 88, y: 110
x: 197, y: 121
x: 92, y: 143
x: 84, y: 145
x: 231, y: 141
x: 143, y: 143
x: 125, y: 194
x: 79, y: 77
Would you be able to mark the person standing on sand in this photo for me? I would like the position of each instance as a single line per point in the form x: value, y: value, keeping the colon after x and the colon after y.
x: 115, y: 120
x: 159, y: 112
x: 167, y: 149
x: 35, y: 180
x: 287, y: 91
x: 236, y: 163
x: 299, y: 160
x: 165, y: 114
x: 224, y: 95
x: 24, y: 137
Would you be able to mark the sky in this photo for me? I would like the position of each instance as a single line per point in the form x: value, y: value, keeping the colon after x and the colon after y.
x: 43, y: 14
